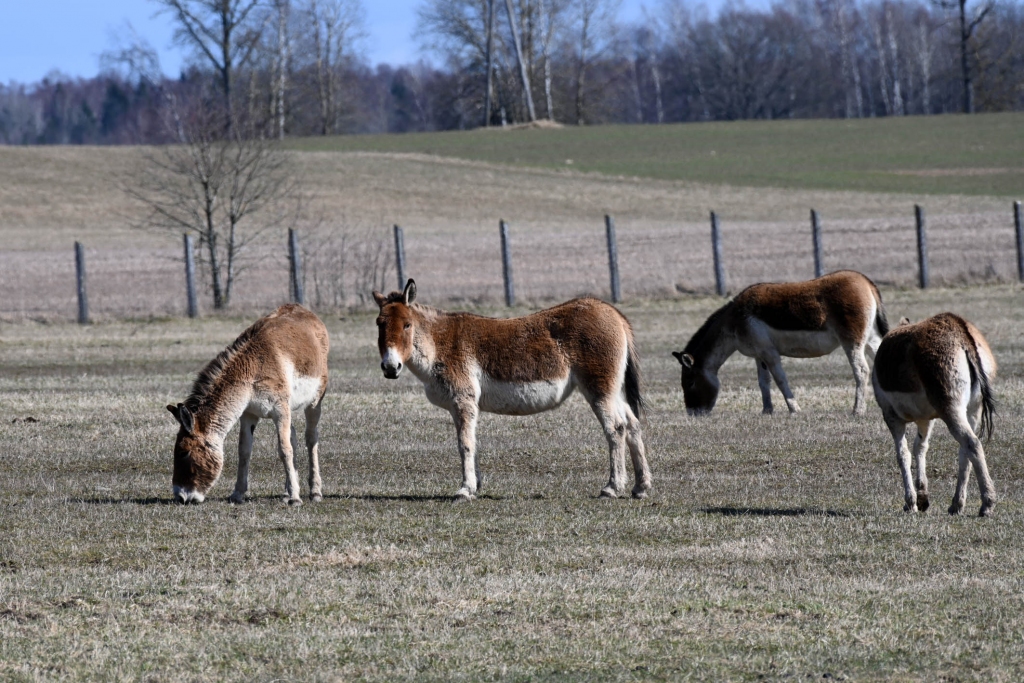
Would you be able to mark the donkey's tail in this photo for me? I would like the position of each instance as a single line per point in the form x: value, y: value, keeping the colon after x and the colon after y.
x: 633, y: 379
x: 988, y: 401
x: 881, y: 321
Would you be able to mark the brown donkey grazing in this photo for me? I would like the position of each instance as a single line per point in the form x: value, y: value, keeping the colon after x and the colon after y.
x: 276, y: 367
x: 940, y: 368
x: 521, y: 366
x: 795, y: 319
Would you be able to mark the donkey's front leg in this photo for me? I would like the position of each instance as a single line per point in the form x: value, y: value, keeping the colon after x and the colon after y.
x: 287, y: 455
x: 465, y: 416
x: 246, y: 428
x: 764, y: 380
x: 775, y: 367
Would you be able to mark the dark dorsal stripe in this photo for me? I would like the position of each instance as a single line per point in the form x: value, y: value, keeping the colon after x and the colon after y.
x: 208, y: 376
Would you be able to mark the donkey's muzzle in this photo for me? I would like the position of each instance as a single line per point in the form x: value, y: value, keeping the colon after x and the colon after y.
x: 184, y: 496
x: 391, y: 371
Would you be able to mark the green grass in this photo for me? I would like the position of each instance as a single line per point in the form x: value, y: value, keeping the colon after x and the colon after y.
x: 772, y: 547
x: 974, y: 155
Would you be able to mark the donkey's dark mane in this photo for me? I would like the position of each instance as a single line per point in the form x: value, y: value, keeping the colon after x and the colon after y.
x: 208, y: 376
x: 705, y: 338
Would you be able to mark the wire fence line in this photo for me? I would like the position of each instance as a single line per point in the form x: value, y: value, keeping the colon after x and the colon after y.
x: 336, y: 268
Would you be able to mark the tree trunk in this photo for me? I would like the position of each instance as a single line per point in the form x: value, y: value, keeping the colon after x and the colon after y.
x: 282, y: 63
x: 524, y: 76
x: 656, y: 77
x: 488, y: 58
x: 965, y: 69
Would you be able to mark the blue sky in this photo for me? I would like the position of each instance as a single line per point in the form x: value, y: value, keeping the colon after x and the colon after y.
x: 39, y: 36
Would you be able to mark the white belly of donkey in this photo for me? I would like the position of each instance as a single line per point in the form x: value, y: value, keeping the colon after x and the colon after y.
x: 510, y: 398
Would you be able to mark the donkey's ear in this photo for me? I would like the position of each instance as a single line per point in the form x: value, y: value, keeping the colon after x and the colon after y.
x: 686, y: 360
x: 903, y: 321
x: 409, y: 295
x: 173, y: 410
x: 185, y: 418
x: 678, y: 355
x: 379, y: 298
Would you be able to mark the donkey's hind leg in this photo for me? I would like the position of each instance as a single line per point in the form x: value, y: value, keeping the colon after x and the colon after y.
x: 971, y: 453
x: 924, y: 428
x: 611, y: 414
x: 861, y: 374
x: 635, y: 441
x: 246, y: 428
x: 316, y: 493
x: 898, y: 428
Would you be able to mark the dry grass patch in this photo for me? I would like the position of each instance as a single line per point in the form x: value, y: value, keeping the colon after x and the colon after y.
x: 772, y: 547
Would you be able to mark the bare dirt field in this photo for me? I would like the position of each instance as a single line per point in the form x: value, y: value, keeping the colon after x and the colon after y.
x: 772, y: 548
x: 449, y: 209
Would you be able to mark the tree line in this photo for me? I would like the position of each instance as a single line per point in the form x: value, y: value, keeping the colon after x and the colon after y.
x: 292, y: 67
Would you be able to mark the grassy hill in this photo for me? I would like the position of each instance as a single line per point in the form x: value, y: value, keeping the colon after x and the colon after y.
x: 954, y: 154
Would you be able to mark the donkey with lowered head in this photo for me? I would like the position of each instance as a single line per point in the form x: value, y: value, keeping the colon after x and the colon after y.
x: 940, y: 368
x: 276, y: 367
x: 796, y: 319
x: 521, y: 366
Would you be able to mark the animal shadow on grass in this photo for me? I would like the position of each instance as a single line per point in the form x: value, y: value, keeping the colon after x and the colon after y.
x: 152, y: 500
x: 773, y: 512
x: 406, y: 498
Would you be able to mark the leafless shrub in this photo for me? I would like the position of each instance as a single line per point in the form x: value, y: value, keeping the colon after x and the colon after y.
x: 345, y: 263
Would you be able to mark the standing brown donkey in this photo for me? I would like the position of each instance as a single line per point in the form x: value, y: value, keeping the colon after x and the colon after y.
x: 521, y: 366
x: 276, y: 367
x: 940, y: 368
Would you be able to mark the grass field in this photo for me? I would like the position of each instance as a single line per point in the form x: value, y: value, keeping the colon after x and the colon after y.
x: 973, y: 155
x: 772, y: 548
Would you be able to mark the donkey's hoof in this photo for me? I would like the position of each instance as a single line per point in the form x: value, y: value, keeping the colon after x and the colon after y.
x: 236, y: 498
x: 608, y: 492
x: 294, y: 502
x: 463, y: 496
x: 909, y: 507
x: 955, y: 509
x: 985, y: 511
x: 316, y: 498
x: 922, y: 502
x: 639, y: 494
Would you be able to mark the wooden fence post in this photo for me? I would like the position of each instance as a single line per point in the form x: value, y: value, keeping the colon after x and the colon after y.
x: 83, y: 299
x: 613, y: 258
x: 1020, y: 240
x: 296, y: 266
x: 190, y: 278
x: 506, y: 265
x: 922, y: 247
x: 400, y: 256
x: 716, y: 250
x: 819, y: 261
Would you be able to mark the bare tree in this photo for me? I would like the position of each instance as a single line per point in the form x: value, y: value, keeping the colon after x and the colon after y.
x: 524, y: 73
x: 331, y: 28
x: 223, y: 32
x: 283, y: 10
x: 228, y: 188
x: 967, y: 25
x: 593, y: 24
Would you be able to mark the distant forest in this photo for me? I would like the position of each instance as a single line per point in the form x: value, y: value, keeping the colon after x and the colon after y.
x: 293, y: 67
